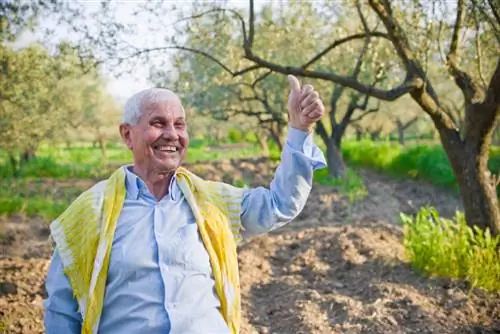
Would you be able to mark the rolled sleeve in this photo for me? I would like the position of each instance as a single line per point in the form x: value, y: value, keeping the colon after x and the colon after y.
x: 265, y: 209
x: 302, y: 142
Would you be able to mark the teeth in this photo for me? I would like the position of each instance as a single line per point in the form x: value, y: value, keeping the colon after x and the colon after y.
x: 166, y: 148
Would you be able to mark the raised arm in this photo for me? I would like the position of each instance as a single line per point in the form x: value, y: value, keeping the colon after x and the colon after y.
x: 265, y: 209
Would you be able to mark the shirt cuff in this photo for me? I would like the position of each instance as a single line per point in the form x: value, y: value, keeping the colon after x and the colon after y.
x: 302, y: 141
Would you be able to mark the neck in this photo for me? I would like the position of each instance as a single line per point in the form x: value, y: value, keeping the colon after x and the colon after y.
x: 157, y: 182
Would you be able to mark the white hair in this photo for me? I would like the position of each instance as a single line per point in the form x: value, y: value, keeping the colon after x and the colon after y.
x: 132, y: 110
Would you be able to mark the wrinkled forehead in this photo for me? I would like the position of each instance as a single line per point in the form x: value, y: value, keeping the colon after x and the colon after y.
x: 163, y: 104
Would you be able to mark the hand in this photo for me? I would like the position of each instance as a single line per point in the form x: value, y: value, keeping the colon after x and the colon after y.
x: 304, y: 105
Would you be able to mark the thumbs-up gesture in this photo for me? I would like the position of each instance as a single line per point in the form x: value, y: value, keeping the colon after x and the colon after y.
x: 304, y: 105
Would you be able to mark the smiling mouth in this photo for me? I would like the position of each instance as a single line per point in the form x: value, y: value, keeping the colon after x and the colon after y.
x: 165, y: 148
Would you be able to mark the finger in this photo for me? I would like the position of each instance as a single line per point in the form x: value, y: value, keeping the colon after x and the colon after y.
x: 315, y: 114
x: 306, y: 90
x: 294, y: 83
x: 309, y: 99
x: 310, y: 108
x: 315, y: 107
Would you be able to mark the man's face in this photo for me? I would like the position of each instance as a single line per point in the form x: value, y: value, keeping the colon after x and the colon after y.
x: 160, y: 139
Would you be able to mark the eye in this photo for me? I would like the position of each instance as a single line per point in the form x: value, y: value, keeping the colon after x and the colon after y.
x: 157, y: 124
x: 180, y: 125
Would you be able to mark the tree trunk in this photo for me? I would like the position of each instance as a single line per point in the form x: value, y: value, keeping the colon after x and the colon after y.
x: 375, y: 135
x: 359, y: 134
x: 27, y: 155
x: 336, y: 165
x: 277, y: 140
x: 102, y: 146
x: 469, y: 161
x: 401, y: 134
x: 479, y: 196
x: 14, y: 164
x: 263, y: 144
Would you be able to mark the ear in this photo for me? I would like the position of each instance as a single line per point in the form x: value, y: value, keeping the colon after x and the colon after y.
x: 126, y: 134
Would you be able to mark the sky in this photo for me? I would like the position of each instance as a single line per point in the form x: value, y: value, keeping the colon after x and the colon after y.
x: 121, y: 88
x: 127, y: 84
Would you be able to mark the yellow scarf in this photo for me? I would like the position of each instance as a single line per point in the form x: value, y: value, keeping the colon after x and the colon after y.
x: 84, y: 235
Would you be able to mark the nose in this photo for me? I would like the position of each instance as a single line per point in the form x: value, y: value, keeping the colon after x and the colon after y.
x: 170, y: 133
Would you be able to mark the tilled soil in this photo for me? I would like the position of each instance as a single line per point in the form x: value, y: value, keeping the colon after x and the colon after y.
x: 338, y: 268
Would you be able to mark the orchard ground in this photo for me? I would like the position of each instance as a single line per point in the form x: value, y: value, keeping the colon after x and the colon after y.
x: 338, y: 268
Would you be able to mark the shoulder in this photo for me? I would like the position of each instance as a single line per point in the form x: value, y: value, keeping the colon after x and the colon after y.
x: 218, y: 186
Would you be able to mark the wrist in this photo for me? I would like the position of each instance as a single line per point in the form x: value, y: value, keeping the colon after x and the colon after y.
x: 303, y: 128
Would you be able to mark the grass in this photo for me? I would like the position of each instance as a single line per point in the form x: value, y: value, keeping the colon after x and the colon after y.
x: 450, y: 248
x: 36, y: 197
x: 428, y: 162
x: 351, y: 184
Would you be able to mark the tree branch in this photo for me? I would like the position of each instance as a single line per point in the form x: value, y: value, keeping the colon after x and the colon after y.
x: 459, y: 20
x: 341, y: 41
x: 409, y: 123
x: 360, y: 117
x: 248, y: 44
x: 494, y: 10
x: 232, y: 11
x: 336, y: 94
x: 196, y: 51
x: 262, y: 77
x: 494, y: 24
x: 478, y: 51
x: 396, y: 35
x: 471, y: 90
x: 387, y: 95
x: 321, y: 131
x: 482, y: 117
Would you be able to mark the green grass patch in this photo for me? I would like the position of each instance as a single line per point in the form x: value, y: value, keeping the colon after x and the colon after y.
x: 427, y: 162
x: 351, y: 184
x: 36, y: 206
x: 37, y: 197
x: 450, y: 248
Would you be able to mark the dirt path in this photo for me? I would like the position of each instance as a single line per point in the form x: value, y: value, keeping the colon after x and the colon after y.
x: 338, y: 268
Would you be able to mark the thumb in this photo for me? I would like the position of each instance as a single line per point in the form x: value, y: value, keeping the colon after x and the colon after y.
x: 294, y: 83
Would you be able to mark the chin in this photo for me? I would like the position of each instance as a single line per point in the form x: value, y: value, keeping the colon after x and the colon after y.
x: 168, y: 166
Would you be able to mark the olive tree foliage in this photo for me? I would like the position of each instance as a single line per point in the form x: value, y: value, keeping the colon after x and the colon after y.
x: 203, y: 75
x: 43, y: 93
x: 464, y: 36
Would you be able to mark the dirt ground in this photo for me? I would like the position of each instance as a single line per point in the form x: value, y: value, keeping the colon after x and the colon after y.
x: 338, y: 268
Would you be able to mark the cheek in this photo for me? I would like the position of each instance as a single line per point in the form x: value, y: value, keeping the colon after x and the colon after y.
x: 151, y: 136
x: 184, y: 139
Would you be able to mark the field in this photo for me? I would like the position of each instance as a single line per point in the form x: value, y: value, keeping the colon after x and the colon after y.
x: 340, y: 267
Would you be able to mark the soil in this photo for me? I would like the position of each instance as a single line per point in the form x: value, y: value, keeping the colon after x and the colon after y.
x: 338, y: 268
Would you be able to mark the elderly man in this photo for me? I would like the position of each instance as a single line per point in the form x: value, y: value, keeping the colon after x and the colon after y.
x: 152, y: 249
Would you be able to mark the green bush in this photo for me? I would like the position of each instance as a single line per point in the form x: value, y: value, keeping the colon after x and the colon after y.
x: 35, y: 206
x: 351, y: 184
x: 236, y: 136
x: 370, y: 154
x: 450, y: 248
x: 427, y: 162
x: 48, y: 167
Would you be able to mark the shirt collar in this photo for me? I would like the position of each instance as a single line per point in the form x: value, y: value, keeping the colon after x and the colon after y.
x: 136, y: 186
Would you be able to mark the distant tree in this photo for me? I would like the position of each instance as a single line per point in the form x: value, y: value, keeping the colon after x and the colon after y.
x: 41, y: 95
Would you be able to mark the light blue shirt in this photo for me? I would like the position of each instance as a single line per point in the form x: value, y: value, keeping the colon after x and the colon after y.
x: 159, y: 277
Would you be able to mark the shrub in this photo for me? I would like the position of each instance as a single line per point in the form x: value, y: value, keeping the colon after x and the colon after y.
x: 351, y: 184
x: 450, y: 248
x: 427, y: 162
